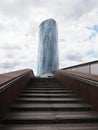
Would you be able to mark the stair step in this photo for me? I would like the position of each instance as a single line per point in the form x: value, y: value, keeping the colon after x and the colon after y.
x: 47, y: 95
x: 51, y: 107
x: 27, y: 88
x: 58, y: 115
x: 46, y: 86
x: 79, y: 126
x: 56, y: 102
x: 50, y: 121
x: 49, y: 91
x: 51, y: 118
x: 45, y: 92
x: 48, y: 100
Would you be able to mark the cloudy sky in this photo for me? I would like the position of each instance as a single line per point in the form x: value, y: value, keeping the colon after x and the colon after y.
x: 19, y: 31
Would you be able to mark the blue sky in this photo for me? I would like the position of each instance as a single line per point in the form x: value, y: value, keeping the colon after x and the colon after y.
x: 19, y: 31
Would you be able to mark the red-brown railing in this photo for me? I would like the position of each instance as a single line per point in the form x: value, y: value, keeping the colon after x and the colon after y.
x: 11, y: 84
x: 85, y: 85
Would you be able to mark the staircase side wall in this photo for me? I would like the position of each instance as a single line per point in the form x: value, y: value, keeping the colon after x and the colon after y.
x: 11, y: 88
x: 86, y: 90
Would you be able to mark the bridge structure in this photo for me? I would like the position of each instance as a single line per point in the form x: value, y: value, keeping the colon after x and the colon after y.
x: 66, y: 101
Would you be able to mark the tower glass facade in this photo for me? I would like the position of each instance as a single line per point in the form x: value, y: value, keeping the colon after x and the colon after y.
x: 48, y: 60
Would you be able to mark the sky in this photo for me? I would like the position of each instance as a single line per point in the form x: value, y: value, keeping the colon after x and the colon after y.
x: 19, y: 31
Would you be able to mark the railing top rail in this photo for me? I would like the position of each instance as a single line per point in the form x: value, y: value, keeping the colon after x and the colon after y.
x: 4, y: 85
x: 83, y: 64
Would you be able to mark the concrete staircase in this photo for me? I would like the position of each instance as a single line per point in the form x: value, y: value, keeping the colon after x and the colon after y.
x: 47, y: 105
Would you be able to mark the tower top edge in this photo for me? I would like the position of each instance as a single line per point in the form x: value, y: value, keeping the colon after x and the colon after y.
x: 48, y: 20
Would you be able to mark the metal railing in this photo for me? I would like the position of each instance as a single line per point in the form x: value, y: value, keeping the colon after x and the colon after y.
x: 88, y: 68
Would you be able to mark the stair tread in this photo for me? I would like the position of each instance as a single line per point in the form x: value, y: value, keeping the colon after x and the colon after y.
x: 89, y: 126
x: 34, y: 94
x: 48, y: 99
x: 49, y: 105
x: 47, y: 91
x: 50, y: 88
x: 51, y: 115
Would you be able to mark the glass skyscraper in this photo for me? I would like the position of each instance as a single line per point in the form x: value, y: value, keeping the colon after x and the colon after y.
x: 48, y: 60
